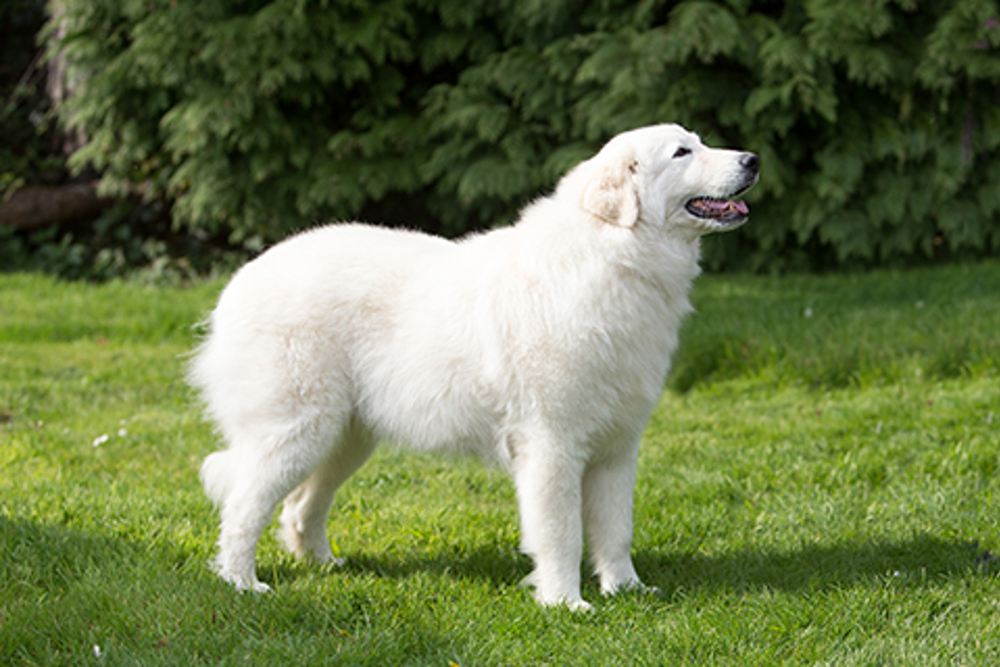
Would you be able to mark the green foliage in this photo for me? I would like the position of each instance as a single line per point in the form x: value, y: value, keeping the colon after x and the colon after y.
x: 877, y: 121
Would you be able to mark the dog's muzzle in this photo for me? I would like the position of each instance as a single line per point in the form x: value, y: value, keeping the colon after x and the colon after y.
x: 727, y: 211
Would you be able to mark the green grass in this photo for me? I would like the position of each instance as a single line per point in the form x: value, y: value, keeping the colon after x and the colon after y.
x: 813, y: 490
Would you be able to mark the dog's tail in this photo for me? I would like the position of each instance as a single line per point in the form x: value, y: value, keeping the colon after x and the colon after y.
x: 218, y: 473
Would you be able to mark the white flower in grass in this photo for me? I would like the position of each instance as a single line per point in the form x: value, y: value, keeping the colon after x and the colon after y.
x: 122, y: 433
x: 97, y: 651
x: 101, y: 439
x: 808, y: 312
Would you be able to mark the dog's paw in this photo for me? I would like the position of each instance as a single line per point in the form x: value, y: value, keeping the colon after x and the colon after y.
x: 328, y: 560
x: 573, y: 605
x: 572, y: 602
x: 639, y: 588
x: 241, y: 582
x: 248, y: 586
x: 631, y: 586
x: 257, y: 587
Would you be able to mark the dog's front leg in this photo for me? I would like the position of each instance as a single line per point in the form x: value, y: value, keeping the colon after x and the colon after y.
x: 549, y: 498
x: 607, y: 510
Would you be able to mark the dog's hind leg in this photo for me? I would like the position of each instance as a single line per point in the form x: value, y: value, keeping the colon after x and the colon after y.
x: 303, y: 519
x: 265, y: 475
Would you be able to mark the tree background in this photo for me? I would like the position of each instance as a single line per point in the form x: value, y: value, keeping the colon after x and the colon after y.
x: 878, y: 121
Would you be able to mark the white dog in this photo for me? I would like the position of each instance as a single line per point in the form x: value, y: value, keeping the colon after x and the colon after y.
x: 542, y: 346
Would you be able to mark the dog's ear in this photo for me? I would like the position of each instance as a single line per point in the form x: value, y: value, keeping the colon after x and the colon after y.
x: 611, y: 194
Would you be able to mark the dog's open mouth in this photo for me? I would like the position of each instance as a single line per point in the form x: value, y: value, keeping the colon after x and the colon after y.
x: 722, y: 211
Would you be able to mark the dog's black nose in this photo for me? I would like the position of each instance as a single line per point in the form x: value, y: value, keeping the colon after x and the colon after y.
x: 750, y: 162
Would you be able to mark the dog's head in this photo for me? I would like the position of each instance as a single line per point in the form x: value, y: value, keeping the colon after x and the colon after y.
x: 663, y: 175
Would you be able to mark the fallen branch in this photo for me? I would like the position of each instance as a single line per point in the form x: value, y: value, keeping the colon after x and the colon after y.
x: 37, y: 206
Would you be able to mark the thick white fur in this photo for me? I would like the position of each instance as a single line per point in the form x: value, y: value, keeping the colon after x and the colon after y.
x: 542, y: 346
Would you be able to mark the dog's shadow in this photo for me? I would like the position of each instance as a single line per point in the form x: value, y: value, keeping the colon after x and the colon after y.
x: 912, y: 562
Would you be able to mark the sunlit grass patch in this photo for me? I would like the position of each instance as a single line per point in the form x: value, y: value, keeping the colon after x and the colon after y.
x: 823, y: 490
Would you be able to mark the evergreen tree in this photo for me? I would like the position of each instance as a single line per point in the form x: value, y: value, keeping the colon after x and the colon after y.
x: 878, y: 121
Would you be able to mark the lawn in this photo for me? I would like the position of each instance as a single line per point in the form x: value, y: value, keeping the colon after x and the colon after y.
x: 819, y: 485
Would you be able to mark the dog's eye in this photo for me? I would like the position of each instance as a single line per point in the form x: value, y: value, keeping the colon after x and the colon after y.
x: 681, y: 152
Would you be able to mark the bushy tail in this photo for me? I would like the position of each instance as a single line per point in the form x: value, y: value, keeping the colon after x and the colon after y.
x: 218, y: 473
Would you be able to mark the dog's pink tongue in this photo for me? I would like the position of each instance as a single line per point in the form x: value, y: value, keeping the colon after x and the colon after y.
x: 718, y: 209
x: 727, y: 206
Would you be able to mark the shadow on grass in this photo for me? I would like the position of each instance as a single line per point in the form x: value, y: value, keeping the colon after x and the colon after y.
x: 64, y: 591
x: 39, y: 557
x: 500, y: 566
x: 36, y: 558
x: 913, y: 562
